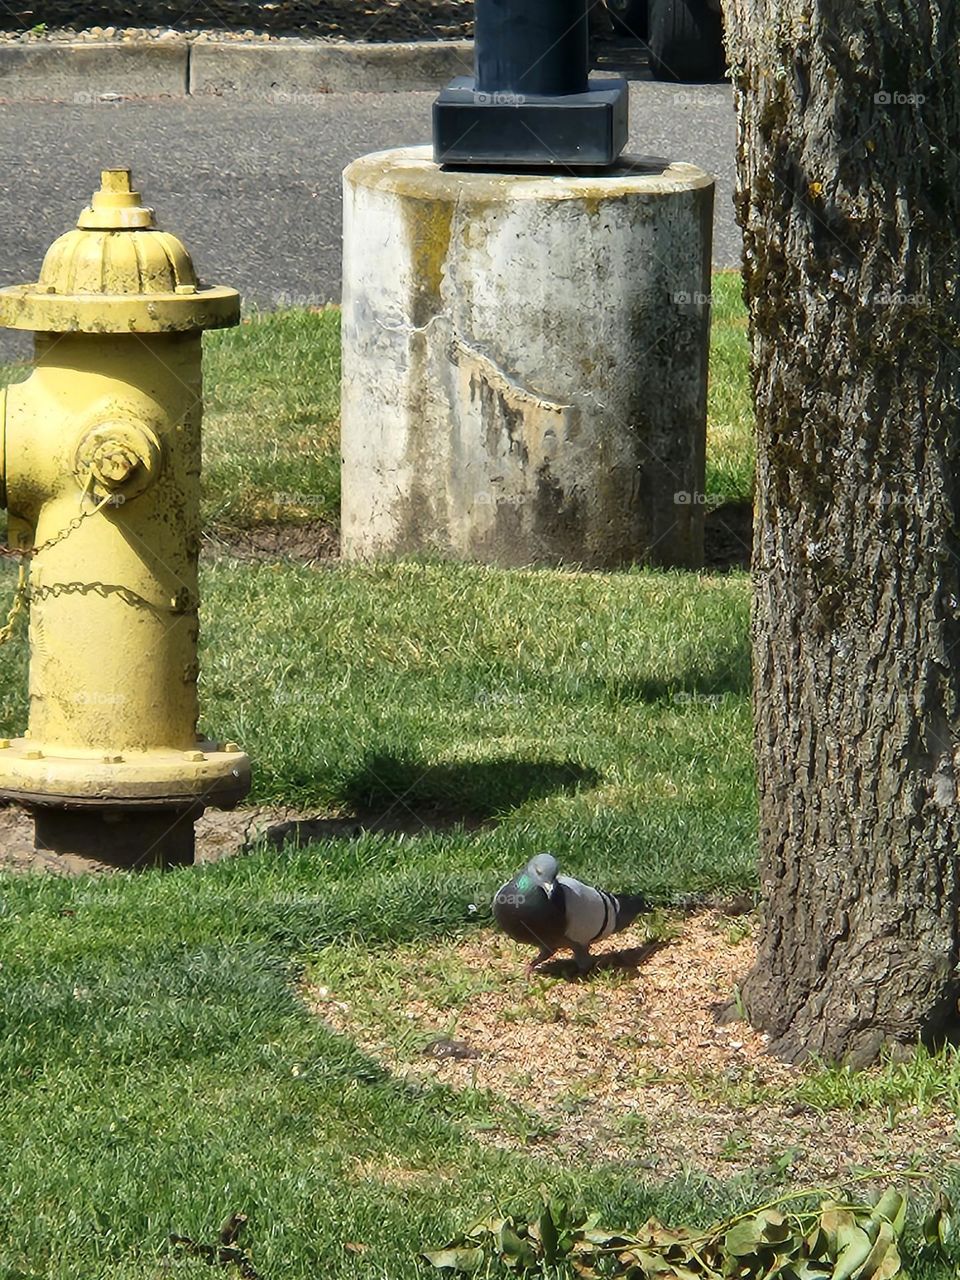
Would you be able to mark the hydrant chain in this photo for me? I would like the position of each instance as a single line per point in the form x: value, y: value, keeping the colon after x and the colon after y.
x: 27, y: 553
x: 19, y: 597
x: 54, y: 590
x: 22, y: 593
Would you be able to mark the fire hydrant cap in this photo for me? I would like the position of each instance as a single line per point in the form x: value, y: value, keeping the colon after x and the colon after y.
x: 116, y: 206
x: 116, y: 272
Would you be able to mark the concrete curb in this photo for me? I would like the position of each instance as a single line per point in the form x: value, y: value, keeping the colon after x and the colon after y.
x: 289, y: 70
x: 87, y: 72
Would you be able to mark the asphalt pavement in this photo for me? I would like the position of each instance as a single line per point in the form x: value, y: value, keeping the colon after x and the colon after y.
x: 253, y: 187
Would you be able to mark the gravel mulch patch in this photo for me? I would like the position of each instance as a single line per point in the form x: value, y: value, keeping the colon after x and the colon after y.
x: 375, y: 20
x: 632, y: 1062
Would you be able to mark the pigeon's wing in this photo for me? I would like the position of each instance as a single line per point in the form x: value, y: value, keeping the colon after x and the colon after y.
x: 502, y: 893
x: 590, y: 913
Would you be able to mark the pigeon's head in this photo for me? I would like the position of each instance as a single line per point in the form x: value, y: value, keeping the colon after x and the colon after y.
x: 542, y: 870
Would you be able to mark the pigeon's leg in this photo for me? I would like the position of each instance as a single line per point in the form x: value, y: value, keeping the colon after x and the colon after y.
x: 543, y: 955
x: 582, y: 956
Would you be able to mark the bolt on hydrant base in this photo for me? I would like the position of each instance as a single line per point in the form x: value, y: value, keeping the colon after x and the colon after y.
x: 101, y: 449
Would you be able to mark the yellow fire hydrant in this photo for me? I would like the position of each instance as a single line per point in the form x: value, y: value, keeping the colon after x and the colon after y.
x: 99, y: 473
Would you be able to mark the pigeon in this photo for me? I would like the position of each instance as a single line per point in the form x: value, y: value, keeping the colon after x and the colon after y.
x: 551, y: 911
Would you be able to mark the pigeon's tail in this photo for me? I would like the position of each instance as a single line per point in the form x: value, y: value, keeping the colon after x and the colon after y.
x: 629, y: 906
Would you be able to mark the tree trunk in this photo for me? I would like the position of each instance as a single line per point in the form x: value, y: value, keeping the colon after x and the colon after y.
x: 849, y: 199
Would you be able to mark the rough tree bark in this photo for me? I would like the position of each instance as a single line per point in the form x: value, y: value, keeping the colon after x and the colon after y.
x: 849, y: 199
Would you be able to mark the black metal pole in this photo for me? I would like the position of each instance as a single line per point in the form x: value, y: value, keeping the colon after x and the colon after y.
x: 531, y: 46
x: 531, y: 101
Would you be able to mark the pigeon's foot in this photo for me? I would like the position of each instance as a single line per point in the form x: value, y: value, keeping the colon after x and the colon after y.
x: 541, y: 958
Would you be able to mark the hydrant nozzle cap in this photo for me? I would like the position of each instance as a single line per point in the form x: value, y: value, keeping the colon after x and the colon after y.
x: 116, y: 206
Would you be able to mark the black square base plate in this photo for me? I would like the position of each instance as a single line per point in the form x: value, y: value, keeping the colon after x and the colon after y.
x: 576, y: 130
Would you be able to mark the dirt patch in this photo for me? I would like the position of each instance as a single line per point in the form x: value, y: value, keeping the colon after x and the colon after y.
x: 633, y: 1064
x: 219, y: 835
x: 222, y: 834
x: 306, y: 543
x: 396, y: 1175
x: 728, y: 536
x: 18, y: 854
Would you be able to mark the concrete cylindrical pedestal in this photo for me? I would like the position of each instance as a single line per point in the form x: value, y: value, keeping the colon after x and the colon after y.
x: 525, y: 362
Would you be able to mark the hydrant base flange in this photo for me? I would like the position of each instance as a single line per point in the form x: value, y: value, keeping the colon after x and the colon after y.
x: 33, y: 775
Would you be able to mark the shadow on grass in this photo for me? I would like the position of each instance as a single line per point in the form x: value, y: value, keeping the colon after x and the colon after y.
x: 728, y: 537
x: 386, y: 784
x: 729, y: 675
x: 394, y: 794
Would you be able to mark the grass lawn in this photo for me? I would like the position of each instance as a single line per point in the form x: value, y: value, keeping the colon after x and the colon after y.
x: 159, y: 1070
x: 730, y: 443
x: 159, y: 1065
x: 271, y: 420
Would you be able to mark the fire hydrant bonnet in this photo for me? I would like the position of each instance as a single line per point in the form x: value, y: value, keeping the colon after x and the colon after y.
x: 117, y: 273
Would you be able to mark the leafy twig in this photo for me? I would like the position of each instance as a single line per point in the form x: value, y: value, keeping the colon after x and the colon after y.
x: 839, y: 1240
x: 226, y: 1252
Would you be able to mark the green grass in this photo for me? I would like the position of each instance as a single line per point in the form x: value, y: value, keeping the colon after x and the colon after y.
x: 271, y: 420
x: 158, y: 1069
x: 731, y: 453
x: 923, y: 1079
x: 158, y: 1073
x: 561, y: 702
